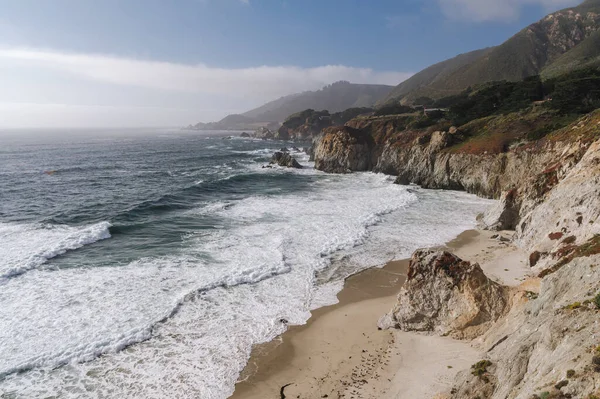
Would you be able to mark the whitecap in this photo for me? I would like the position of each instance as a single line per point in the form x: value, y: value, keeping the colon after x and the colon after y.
x: 24, y: 247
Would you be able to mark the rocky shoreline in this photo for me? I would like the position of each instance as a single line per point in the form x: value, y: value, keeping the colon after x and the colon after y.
x: 541, y: 339
x: 538, y: 338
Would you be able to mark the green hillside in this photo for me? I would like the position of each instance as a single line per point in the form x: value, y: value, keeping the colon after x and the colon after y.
x: 584, y: 55
x: 336, y: 97
x: 434, y: 73
x: 525, y: 54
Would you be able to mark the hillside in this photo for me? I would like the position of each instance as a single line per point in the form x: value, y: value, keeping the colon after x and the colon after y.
x: 530, y: 311
x: 527, y: 53
x: 432, y: 74
x: 586, y: 54
x: 334, y: 98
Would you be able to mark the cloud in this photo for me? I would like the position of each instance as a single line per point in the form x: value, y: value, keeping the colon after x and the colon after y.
x: 260, y: 83
x: 496, y: 10
x: 59, y: 89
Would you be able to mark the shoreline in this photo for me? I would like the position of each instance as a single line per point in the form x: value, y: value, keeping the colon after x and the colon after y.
x: 340, y: 352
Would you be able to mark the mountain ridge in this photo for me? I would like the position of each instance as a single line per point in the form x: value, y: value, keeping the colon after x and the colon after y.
x: 336, y: 97
x: 529, y: 52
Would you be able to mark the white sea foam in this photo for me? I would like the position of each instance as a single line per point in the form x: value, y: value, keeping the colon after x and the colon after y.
x: 196, y: 315
x: 24, y: 247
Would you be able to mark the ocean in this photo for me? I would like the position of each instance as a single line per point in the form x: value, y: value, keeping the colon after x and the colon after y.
x: 147, y: 263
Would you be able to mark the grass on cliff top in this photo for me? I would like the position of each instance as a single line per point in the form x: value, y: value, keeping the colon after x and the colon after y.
x: 496, y: 134
x: 585, y: 129
x: 524, y: 129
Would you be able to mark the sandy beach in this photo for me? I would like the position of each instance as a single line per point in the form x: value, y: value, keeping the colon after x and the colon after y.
x: 340, y: 353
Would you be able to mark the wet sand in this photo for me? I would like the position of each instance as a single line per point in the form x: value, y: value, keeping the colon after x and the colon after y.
x: 340, y: 353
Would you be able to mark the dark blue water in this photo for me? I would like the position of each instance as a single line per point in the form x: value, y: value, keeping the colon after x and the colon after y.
x: 141, y: 185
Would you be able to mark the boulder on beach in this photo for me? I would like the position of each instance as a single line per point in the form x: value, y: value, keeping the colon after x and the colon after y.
x: 448, y: 296
x: 286, y: 160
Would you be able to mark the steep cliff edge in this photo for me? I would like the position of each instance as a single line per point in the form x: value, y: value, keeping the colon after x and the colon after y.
x: 487, y: 157
x: 344, y: 149
x: 545, y: 343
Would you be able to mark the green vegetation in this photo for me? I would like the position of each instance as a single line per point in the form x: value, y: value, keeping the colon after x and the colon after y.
x: 308, y: 116
x: 336, y: 97
x: 394, y: 109
x: 596, y: 362
x: 552, y: 46
x: 597, y: 300
x: 573, y: 306
x: 531, y: 295
x: 574, y: 93
x: 419, y: 84
x: 480, y: 368
x: 570, y: 373
x: 341, y: 118
x: 584, y: 55
x: 318, y: 120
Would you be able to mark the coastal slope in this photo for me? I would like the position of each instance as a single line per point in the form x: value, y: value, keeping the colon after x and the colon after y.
x: 538, y: 339
x: 529, y: 52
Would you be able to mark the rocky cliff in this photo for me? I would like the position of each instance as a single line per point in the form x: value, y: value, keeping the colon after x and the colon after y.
x: 344, y: 149
x: 548, y: 344
x: 487, y: 165
x: 541, y: 339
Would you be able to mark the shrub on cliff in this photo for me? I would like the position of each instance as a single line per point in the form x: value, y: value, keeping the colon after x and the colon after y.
x: 597, y: 300
x: 480, y: 368
x: 394, y: 109
x: 493, y: 98
x: 309, y: 116
x: 341, y: 118
x: 577, y: 92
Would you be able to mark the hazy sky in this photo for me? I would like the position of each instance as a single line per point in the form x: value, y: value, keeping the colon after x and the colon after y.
x: 113, y: 63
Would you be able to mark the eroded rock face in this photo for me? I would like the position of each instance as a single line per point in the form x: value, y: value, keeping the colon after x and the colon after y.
x: 504, y: 215
x: 543, y: 337
x: 343, y: 149
x: 448, y: 296
x: 286, y: 160
x: 568, y: 213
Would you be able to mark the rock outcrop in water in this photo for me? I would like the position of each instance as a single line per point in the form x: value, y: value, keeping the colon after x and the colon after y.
x: 263, y: 133
x: 286, y: 160
x: 448, y: 296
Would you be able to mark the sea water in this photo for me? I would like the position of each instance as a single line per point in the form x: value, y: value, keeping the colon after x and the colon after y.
x: 147, y: 264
